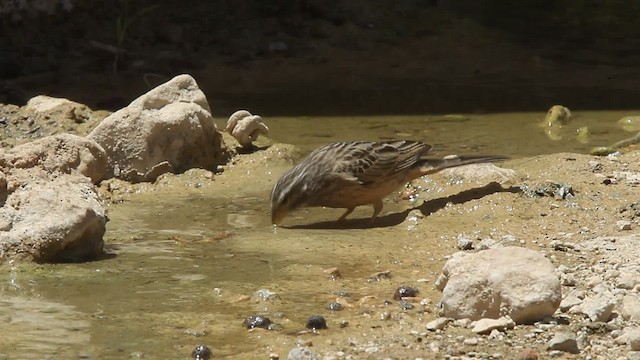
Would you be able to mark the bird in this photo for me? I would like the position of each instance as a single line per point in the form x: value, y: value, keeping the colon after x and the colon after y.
x: 349, y: 174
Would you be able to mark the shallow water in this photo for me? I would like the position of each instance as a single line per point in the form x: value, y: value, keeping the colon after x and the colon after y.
x: 184, y: 264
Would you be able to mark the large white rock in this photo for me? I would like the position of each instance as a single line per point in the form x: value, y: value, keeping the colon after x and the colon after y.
x: 49, y: 207
x: 51, y: 218
x: 513, y: 281
x: 168, y: 129
x: 59, y: 108
x: 65, y: 153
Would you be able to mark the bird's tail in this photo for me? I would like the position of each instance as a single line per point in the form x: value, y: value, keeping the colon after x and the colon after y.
x: 431, y: 166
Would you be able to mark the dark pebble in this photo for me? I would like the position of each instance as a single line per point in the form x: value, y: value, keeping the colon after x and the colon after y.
x: 334, y: 306
x: 316, y: 322
x: 201, y: 352
x: 405, y: 291
x: 257, y: 321
x: 406, y: 305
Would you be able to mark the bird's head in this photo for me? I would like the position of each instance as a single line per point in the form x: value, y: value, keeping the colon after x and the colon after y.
x: 291, y: 192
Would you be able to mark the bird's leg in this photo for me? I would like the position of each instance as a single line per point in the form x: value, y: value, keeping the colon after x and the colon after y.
x: 344, y: 216
x: 377, y: 207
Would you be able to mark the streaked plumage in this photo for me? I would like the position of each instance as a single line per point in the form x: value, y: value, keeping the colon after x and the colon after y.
x: 350, y: 174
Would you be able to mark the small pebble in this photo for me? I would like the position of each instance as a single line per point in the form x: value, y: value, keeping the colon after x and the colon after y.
x: 257, y: 321
x: 565, y: 342
x: 266, y: 295
x: 465, y: 243
x: 404, y: 305
x: 334, y: 273
x: 470, y: 341
x: 201, y: 352
x: 405, y: 291
x: 380, y: 275
x: 437, y: 324
x: 302, y: 353
x: 316, y: 322
x: 528, y: 354
x: 623, y: 225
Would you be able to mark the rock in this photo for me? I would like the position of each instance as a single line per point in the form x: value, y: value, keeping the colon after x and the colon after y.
x: 485, y: 326
x: 568, y: 302
x: 245, y: 128
x: 265, y: 295
x: 631, y: 337
x: 627, y: 280
x: 470, y: 341
x: 492, y: 283
x: 630, y: 123
x: 634, y: 340
x: 568, y: 280
x: 316, y: 322
x: 597, y: 308
x: 488, y: 243
x: 202, y: 352
x: 437, y: 324
x: 631, y: 307
x: 303, y: 353
x: 528, y: 354
x: 66, y: 153
x: 565, y: 342
x: 480, y: 173
x: 168, y: 129
x: 464, y: 243
x: 35, y: 228
x: 557, y: 115
x: 59, y: 108
x: 623, y: 225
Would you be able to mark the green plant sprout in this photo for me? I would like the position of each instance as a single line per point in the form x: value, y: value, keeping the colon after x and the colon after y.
x: 122, y: 24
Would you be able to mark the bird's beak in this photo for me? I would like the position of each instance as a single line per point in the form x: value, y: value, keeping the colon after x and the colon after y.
x: 277, y: 215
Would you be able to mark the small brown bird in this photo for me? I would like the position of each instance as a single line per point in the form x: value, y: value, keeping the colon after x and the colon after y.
x: 350, y: 174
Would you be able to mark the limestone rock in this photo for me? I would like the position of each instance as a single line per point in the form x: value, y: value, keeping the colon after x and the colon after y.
x: 569, y: 302
x: 485, y: 326
x: 303, y: 353
x: 168, y: 129
x: 480, y: 173
x: 627, y: 280
x: 565, y: 342
x: 630, y: 336
x: 66, y: 153
x: 492, y: 283
x: 437, y: 324
x: 52, y: 219
x: 59, y: 108
x: 245, y: 128
x: 631, y: 307
x: 597, y: 308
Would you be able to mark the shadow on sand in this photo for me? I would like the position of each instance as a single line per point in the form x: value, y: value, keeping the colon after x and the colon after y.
x: 427, y: 208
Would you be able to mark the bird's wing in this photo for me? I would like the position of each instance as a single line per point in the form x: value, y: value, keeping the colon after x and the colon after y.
x: 368, y: 162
